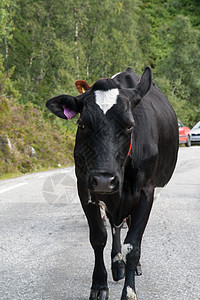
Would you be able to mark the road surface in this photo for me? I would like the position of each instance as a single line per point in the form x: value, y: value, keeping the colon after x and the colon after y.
x: 45, y: 251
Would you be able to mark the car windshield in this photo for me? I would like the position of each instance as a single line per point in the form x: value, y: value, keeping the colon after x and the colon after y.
x: 197, y: 125
x: 180, y: 124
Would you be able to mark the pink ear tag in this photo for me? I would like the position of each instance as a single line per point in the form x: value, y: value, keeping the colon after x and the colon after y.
x: 68, y: 112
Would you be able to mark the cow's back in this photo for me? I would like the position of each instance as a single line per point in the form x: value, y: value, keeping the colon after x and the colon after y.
x: 155, y: 136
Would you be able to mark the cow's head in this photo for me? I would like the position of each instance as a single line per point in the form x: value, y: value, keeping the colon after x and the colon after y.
x: 105, y: 126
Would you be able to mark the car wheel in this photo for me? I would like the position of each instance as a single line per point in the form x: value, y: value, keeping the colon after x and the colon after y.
x: 188, y: 142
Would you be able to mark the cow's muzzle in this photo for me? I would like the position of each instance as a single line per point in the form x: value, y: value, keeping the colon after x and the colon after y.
x: 103, y: 183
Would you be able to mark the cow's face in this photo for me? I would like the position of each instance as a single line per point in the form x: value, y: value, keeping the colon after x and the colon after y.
x: 105, y: 128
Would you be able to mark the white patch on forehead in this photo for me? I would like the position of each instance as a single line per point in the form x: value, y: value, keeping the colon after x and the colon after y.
x: 126, y: 249
x: 115, y: 75
x: 131, y: 294
x: 106, y: 99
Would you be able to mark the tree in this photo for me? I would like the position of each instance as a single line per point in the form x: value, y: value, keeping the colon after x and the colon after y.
x: 56, y: 43
x: 182, y: 64
x: 7, y: 8
x: 6, y: 28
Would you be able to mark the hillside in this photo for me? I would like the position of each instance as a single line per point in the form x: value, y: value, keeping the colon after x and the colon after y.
x: 28, y: 142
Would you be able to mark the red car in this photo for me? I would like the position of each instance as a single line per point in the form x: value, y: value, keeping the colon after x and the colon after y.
x: 184, y: 135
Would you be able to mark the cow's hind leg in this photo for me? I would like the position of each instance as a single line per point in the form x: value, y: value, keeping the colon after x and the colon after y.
x: 132, y: 243
x: 98, y: 238
x: 138, y: 270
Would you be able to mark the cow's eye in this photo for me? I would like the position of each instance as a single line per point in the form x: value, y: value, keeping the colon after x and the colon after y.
x: 80, y: 124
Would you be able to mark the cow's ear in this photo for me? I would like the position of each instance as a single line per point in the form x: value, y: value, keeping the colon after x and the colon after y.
x: 144, y: 84
x: 63, y: 106
x: 142, y: 87
x: 82, y: 86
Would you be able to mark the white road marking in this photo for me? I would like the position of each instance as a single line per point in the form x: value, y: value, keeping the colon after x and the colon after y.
x: 106, y: 99
x: 12, y: 187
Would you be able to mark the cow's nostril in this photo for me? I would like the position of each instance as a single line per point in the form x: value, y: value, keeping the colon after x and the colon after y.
x: 103, y: 183
x: 113, y: 182
x: 95, y: 181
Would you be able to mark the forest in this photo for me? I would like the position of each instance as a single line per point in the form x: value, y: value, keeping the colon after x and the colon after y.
x: 46, y: 45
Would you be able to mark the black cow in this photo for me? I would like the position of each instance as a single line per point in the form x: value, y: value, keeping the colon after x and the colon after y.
x: 126, y: 145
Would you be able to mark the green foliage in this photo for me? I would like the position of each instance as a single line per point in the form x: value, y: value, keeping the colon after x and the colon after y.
x: 6, y: 85
x: 181, y: 67
x: 25, y: 127
x: 171, y: 45
x: 59, y: 42
x: 53, y: 43
x: 7, y: 9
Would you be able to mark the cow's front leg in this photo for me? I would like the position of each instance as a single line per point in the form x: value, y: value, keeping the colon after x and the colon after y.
x: 117, y: 263
x: 98, y: 238
x: 132, y: 243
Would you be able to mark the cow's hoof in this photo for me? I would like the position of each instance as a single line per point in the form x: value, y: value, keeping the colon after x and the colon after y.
x: 99, y: 295
x: 138, y: 270
x: 128, y: 294
x: 118, y: 270
x: 128, y: 298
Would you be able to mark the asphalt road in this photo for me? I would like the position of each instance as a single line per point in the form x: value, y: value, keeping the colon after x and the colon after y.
x: 45, y: 251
